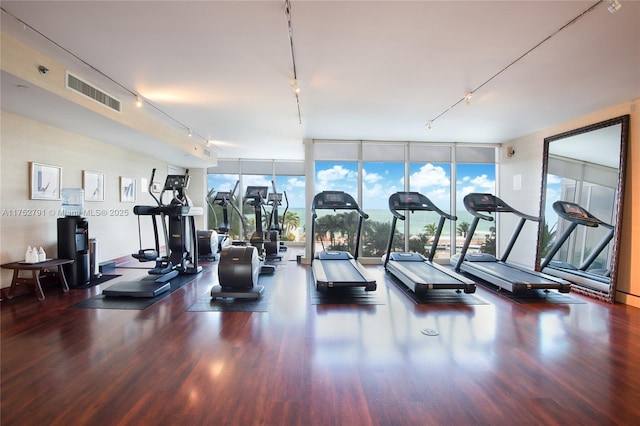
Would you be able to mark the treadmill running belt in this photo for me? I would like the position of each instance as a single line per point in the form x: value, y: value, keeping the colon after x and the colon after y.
x: 342, y: 271
x: 428, y: 274
x: 512, y: 274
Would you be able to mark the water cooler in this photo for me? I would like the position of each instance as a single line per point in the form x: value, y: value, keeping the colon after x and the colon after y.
x: 73, y: 237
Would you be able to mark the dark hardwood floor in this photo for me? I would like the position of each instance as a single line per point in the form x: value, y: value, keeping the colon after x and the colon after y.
x: 298, y: 363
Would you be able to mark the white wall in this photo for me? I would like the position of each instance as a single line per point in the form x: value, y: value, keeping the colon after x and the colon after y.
x: 520, y: 177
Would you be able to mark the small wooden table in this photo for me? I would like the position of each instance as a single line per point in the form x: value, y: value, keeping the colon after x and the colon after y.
x: 34, y: 279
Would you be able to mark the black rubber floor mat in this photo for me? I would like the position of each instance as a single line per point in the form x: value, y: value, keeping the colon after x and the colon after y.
x: 221, y: 304
x: 133, y: 303
x: 96, y: 281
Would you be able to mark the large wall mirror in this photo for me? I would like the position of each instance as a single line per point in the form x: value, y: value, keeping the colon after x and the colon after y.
x: 581, y: 206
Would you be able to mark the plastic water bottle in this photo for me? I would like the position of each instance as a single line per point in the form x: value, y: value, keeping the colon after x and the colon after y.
x: 42, y: 256
x: 28, y: 255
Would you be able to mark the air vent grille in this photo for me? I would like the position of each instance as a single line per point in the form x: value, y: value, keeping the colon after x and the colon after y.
x: 74, y: 83
x: 207, y: 153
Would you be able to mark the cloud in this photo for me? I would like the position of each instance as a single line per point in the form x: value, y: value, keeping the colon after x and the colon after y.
x: 483, y: 182
x: 295, y: 182
x: 370, y: 177
x: 256, y: 180
x: 480, y: 183
x: 336, y: 176
x: 429, y: 176
x: 377, y: 196
x: 440, y: 197
x: 222, y: 182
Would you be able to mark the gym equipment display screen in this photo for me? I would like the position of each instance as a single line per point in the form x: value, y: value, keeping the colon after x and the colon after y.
x: 334, y: 197
x: 256, y: 192
x: 174, y: 181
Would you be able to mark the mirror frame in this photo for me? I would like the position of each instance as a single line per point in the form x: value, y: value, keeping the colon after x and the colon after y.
x: 624, y: 141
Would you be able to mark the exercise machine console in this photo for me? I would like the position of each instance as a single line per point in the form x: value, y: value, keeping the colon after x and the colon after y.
x: 418, y: 273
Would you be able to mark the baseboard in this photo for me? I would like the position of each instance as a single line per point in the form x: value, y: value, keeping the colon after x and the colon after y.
x: 107, y: 266
x: 628, y: 299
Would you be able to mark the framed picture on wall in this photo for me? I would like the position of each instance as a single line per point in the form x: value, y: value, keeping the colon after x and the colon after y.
x: 93, y: 185
x: 127, y: 189
x: 45, y: 181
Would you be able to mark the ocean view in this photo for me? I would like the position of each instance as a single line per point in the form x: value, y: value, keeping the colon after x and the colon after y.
x: 418, y: 221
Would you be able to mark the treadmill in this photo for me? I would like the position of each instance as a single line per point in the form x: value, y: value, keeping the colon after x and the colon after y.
x: 338, y: 268
x: 597, y: 279
x: 495, y: 271
x: 418, y: 273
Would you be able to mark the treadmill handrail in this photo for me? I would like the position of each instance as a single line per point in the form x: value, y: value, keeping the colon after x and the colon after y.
x: 491, y: 204
x: 423, y: 204
x: 350, y: 204
x: 584, y: 218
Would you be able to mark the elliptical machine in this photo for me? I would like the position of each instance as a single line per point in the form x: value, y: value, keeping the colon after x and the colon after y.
x: 179, y: 231
x: 273, y: 245
x: 240, y: 266
x: 212, y: 241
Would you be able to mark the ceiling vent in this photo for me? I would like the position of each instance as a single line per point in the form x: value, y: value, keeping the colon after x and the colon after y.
x: 86, y: 89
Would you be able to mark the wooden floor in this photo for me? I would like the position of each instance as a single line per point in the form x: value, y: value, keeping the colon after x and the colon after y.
x: 298, y: 363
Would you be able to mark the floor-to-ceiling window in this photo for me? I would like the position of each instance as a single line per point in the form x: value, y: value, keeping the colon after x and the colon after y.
x: 222, y: 186
x: 289, y: 179
x: 336, y: 230
x: 383, y: 173
x: 372, y: 171
x: 475, y: 172
x: 430, y: 175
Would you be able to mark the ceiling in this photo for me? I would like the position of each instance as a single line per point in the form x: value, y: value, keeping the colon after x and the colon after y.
x: 367, y: 70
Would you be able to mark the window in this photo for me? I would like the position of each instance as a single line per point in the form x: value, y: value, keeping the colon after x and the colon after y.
x: 379, y: 181
x: 223, y: 183
x: 336, y: 230
x: 375, y: 170
x: 291, y: 214
x: 474, y: 178
x: 251, y: 211
x: 288, y: 175
x: 433, y: 180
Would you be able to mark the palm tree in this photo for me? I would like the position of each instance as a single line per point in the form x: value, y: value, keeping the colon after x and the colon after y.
x: 489, y: 244
x: 548, y: 238
x: 290, y: 222
x: 430, y: 229
x: 463, y: 228
x: 419, y: 243
x: 349, y: 226
x: 376, y: 238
